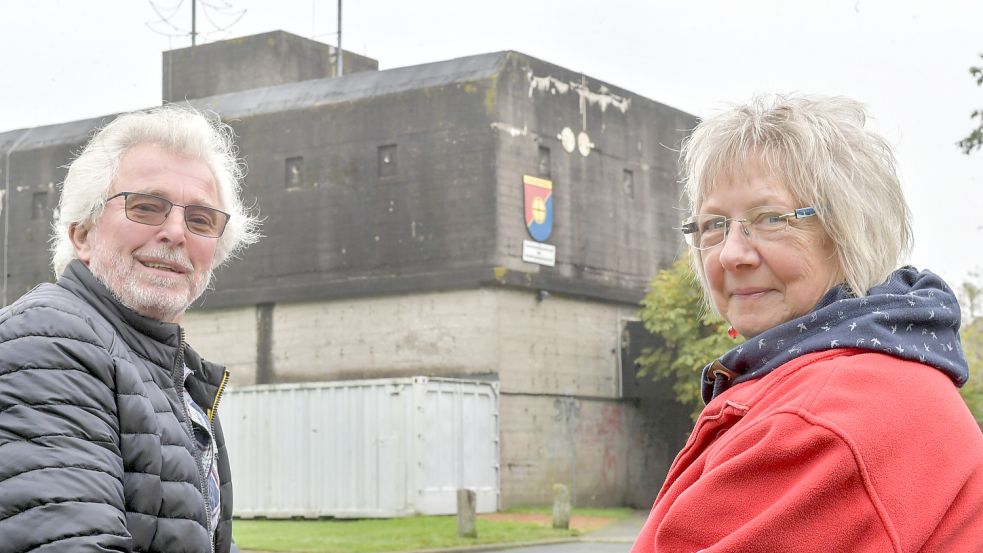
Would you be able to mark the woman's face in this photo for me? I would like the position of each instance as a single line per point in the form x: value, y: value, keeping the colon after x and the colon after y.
x: 757, y: 283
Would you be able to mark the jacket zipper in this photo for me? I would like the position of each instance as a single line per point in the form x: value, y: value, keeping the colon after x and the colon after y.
x: 212, y: 413
x: 218, y: 396
x: 177, y: 373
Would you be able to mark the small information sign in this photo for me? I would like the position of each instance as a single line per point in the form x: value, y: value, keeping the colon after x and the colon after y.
x: 539, y: 253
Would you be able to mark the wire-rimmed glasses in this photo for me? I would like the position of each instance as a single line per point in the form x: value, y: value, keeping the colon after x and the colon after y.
x: 705, y: 231
x: 148, y: 209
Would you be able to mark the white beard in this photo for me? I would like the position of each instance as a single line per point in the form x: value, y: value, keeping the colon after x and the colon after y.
x: 152, y: 296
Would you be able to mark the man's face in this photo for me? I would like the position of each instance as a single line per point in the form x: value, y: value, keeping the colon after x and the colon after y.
x: 157, y: 271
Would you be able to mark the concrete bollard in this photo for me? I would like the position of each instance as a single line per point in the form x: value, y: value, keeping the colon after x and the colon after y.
x: 466, y: 514
x: 561, y: 507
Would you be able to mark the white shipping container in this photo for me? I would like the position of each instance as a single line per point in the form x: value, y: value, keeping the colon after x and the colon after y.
x: 362, y: 448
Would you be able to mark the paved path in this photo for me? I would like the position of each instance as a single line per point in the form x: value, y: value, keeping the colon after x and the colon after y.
x: 616, y: 538
x: 574, y: 547
x: 625, y: 530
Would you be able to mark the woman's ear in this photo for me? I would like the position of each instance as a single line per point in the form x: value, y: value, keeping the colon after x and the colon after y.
x: 78, y: 233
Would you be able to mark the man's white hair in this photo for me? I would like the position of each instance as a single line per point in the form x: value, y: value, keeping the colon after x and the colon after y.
x: 182, y: 130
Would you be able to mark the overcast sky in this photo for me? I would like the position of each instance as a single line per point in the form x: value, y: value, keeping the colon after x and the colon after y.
x: 908, y: 60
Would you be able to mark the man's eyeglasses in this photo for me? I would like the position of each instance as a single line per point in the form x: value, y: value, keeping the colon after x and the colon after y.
x: 148, y: 209
x: 767, y: 222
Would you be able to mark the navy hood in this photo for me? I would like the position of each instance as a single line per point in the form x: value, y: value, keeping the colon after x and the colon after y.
x: 914, y: 316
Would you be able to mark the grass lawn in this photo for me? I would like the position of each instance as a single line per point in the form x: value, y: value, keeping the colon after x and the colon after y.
x: 399, y: 534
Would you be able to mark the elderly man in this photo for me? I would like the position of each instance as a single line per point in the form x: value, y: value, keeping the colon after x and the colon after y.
x: 109, y: 439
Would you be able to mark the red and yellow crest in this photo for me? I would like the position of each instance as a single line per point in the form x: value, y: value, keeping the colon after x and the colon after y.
x: 539, y: 206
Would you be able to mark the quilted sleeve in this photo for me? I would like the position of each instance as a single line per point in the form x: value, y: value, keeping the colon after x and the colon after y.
x: 60, y: 465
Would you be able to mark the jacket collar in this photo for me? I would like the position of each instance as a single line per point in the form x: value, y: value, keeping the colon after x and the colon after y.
x: 156, y: 341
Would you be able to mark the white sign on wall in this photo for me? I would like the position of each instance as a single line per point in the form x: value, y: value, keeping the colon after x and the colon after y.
x: 539, y: 253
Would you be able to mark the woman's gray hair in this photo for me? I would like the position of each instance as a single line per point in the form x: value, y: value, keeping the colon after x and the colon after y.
x: 821, y: 150
x: 182, y: 130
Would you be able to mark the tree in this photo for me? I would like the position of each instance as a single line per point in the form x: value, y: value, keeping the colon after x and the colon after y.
x: 971, y: 297
x: 674, y: 310
x: 972, y: 392
x: 975, y: 139
x: 971, y: 335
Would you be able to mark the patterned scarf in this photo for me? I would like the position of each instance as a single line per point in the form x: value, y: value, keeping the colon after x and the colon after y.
x: 914, y: 316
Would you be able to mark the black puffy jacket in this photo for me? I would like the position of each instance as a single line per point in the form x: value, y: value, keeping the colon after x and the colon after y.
x: 95, y: 446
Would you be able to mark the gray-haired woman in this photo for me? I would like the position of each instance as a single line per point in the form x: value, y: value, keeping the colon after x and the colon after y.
x: 836, y: 425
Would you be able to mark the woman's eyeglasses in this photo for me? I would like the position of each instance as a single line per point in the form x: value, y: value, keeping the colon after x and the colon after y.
x: 767, y: 222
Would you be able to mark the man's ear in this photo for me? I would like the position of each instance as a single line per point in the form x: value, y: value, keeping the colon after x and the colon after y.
x: 79, y: 234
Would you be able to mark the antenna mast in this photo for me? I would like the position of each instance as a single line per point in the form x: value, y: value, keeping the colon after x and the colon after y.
x: 194, y: 26
x: 209, y: 8
x: 341, y: 53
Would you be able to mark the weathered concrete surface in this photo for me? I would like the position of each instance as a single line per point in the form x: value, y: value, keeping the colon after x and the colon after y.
x: 255, y: 61
x: 562, y: 417
x: 561, y: 506
x: 608, y: 452
x: 226, y: 336
x: 557, y: 346
x: 581, y: 443
x: 466, y: 514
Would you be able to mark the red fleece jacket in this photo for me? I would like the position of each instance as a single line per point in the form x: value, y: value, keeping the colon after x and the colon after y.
x: 841, y: 450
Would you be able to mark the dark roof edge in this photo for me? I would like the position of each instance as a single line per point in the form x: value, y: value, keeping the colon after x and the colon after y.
x: 310, y: 93
x: 316, y: 92
x: 287, y: 96
x: 72, y: 132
